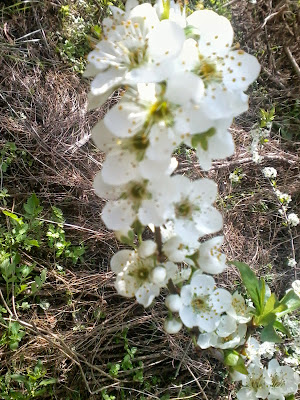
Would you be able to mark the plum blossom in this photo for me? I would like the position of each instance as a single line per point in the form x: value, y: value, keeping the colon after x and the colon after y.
x: 137, y: 47
x: 293, y: 219
x: 269, y: 172
x: 139, y: 274
x: 200, y: 303
x: 227, y: 335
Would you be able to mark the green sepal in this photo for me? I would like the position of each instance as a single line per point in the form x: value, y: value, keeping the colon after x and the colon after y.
x: 191, y: 31
x: 201, y: 139
x: 129, y: 239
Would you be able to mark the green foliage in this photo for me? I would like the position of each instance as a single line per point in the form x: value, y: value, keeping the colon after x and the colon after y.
x: 266, y: 117
x: 23, y: 280
x: 27, y: 386
x: 57, y: 239
x: 13, y: 335
x: 128, y: 362
x: 268, y: 309
x: 9, y: 154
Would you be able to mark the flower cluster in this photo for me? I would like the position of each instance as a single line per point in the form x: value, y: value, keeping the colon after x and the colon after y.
x: 182, y: 83
x: 273, y: 383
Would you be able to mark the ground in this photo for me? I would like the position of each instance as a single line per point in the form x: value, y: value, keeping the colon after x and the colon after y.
x: 76, y: 338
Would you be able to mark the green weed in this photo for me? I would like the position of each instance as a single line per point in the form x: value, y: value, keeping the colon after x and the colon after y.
x: 27, y: 386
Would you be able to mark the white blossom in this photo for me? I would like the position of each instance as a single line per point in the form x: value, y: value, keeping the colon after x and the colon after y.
x: 228, y: 335
x: 291, y: 262
x: 202, y: 303
x: 284, y: 198
x: 239, y: 310
x: 269, y: 172
x: 254, y: 384
x: 296, y: 287
x: 137, y: 47
x: 293, y: 219
x: 210, y: 259
x: 282, y: 380
x: 138, y: 273
x: 190, y: 207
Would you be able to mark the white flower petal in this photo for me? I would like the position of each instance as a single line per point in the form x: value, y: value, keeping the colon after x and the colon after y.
x: 202, y: 284
x: 107, y: 80
x: 118, y: 215
x: 103, y: 138
x: 146, y: 294
x: 221, y: 300
x: 125, y: 119
x: 105, y: 190
x: 147, y: 248
x: 120, y: 259
x: 120, y: 168
x: 165, y: 40
x: 219, y: 39
x: 226, y: 326
x: 245, y: 69
x: 184, y: 87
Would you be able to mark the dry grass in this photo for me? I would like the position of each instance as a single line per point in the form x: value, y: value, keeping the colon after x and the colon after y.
x: 43, y: 110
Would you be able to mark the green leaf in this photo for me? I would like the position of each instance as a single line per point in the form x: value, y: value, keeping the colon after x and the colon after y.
x: 265, y: 319
x: 262, y: 294
x: 13, y: 216
x: 18, y: 378
x: 201, y: 139
x: 291, y: 301
x: 240, y: 367
x: 33, y: 242
x: 46, y: 382
x: 32, y: 206
x: 268, y: 334
x: 251, y: 283
x: 280, y: 327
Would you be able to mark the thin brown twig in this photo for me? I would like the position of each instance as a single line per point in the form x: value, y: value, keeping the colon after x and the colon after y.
x: 197, y: 382
x: 292, y: 60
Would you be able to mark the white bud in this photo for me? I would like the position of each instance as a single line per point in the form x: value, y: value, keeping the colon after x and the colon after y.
x: 172, y: 325
x: 147, y: 248
x: 173, y: 302
x: 158, y: 275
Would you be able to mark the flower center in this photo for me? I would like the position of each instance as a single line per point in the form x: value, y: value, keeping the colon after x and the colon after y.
x: 140, y: 141
x: 137, y: 56
x: 138, y: 191
x: 161, y: 111
x: 207, y: 71
x: 183, y: 209
x: 199, y: 304
x: 257, y: 383
x: 277, y: 381
x: 142, y: 273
